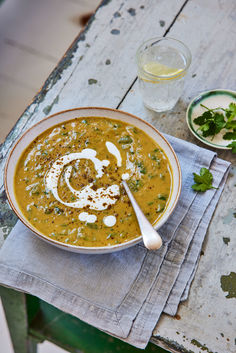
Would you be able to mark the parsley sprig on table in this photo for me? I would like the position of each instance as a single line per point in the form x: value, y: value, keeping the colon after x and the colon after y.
x: 212, y: 121
x: 203, y: 181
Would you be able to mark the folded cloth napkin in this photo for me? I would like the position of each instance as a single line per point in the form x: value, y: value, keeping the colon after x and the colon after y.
x: 122, y: 293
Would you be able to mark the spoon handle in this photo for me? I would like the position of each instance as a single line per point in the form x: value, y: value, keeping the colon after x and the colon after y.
x: 151, y: 238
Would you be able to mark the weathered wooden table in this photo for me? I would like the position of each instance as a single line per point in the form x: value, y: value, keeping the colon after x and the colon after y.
x: 99, y: 70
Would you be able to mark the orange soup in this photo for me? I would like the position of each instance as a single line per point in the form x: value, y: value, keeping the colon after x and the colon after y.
x: 68, y: 181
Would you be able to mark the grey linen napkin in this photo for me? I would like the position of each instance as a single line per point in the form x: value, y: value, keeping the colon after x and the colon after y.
x: 122, y: 293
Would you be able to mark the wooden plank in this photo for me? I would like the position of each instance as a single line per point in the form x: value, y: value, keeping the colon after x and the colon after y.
x: 75, y: 336
x: 69, y: 85
x: 204, y: 27
x: 87, y: 59
x: 28, y: 68
x: 13, y: 97
x: 14, y: 305
x: 33, y: 24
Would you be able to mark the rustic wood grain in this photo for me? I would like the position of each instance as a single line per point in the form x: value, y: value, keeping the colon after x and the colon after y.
x: 100, y: 69
x: 14, y: 304
x: 94, y: 72
x: 208, y: 28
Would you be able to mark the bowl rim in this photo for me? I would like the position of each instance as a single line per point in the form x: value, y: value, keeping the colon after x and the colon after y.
x: 84, y: 249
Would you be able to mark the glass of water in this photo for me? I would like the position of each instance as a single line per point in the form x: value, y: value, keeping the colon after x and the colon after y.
x: 162, y: 67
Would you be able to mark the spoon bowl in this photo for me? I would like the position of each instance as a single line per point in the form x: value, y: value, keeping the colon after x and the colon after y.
x: 152, y: 240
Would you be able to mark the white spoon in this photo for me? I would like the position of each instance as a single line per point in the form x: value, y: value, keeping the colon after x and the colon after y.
x: 151, y: 238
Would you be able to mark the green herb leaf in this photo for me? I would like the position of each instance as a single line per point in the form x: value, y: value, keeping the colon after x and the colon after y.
x: 212, y: 121
x: 231, y: 125
x: 125, y: 139
x: 48, y: 210
x: 233, y: 146
x: 219, y: 122
x: 58, y: 210
x: 231, y: 112
x: 135, y: 185
x: 92, y: 225
x: 141, y: 167
x: 203, y: 181
x: 214, y: 126
x: 162, y: 197
x: 150, y: 203
x: 160, y: 208
x: 230, y: 136
x: 202, y: 119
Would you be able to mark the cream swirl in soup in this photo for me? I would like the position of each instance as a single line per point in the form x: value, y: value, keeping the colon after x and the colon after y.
x: 68, y: 181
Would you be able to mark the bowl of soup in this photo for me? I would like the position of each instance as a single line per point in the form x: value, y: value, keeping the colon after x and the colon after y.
x: 63, y: 179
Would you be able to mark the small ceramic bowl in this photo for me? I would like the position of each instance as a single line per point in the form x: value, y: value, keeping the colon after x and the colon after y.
x: 211, y: 99
x: 55, y: 119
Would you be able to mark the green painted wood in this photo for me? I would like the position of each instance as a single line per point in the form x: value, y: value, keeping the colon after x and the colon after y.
x: 76, y: 336
x: 33, y: 307
x: 14, y: 305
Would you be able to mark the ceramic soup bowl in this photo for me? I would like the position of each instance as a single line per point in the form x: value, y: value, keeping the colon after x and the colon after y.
x: 64, y: 116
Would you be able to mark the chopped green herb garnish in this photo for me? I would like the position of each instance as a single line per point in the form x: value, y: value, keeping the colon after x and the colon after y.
x: 203, y: 181
x: 150, y: 203
x: 35, y: 190
x: 141, y: 167
x: 151, y: 176
x: 162, y: 197
x: 155, y: 158
x: 58, y: 210
x: 92, y: 225
x: 125, y: 139
x: 84, y: 121
x: 48, y: 210
x: 139, y: 183
x: 143, y: 171
x: 111, y: 236
x: 135, y: 185
x: 160, y: 208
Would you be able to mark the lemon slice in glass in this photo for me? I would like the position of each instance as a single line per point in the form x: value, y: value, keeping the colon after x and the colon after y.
x: 162, y: 71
